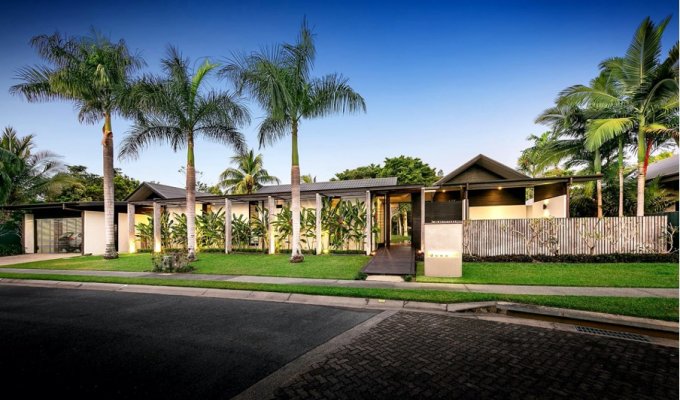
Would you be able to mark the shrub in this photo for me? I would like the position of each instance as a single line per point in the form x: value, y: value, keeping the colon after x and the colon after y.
x: 360, y: 276
x: 171, y: 262
x: 408, y: 278
x: 579, y: 258
x: 10, y: 249
x: 347, y: 252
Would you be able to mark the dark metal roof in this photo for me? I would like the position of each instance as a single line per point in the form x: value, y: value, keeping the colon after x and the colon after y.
x: 80, y: 205
x: 148, y: 190
x: 526, y: 182
x: 332, y: 185
x: 485, y: 162
x: 663, y: 168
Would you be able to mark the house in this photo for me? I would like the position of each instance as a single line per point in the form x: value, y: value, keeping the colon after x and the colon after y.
x: 481, y: 188
x: 667, y: 172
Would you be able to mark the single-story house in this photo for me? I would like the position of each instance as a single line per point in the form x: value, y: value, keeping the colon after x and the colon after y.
x: 481, y: 188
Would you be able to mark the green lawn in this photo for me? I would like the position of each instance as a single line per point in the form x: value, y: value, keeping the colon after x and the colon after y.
x: 328, y: 266
x: 647, y: 307
x: 661, y: 275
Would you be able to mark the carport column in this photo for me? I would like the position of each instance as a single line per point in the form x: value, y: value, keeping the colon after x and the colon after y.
x: 319, y: 239
x: 227, y: 226
x: 369, y: 221
x: 156, y: 227
x: 132, y: 247
x: 272, y: 238
x: 422, y: 219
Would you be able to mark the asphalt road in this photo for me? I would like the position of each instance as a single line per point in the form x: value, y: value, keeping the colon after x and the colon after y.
x: 95, y: 344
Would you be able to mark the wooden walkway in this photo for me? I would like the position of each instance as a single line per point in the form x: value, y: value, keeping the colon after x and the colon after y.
x: 395, y: 260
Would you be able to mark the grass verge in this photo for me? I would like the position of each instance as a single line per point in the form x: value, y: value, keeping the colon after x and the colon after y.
x: 650, y: 275
x: 646, y: 307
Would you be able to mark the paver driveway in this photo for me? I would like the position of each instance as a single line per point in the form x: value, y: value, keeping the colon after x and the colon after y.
x: 418, y: 355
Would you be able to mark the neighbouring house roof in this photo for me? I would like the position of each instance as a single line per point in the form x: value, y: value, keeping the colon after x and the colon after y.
x: 332, y: 185
x: 150, y: 191
x: 69, y: 205
x: 667, y: 168
x: 480, y: 168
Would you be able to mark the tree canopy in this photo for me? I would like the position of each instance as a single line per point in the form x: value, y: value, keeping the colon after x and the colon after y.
x: 408, y: 170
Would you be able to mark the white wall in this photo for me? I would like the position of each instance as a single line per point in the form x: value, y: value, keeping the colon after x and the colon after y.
x: 93, y: 233
x: 28, y: 237
x: 498, y: 212
x: 123, y: 233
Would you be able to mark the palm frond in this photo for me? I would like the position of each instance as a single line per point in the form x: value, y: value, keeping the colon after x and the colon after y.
x: 603, y: 130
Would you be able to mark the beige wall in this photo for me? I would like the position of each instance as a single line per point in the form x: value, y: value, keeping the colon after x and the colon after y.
x: 498, y: 212
x: 556, y: 207
x: 123, y: 233
x: 28, y: 236
x: 93, y: 232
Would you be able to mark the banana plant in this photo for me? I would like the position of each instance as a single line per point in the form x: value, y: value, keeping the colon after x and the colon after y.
x: 308, y: 227
x: 211, y: 229
x: 145, y: 232
x: 179, y: 231
x: 259, y: 226
x: 240, y: 231
x: 283, y: 222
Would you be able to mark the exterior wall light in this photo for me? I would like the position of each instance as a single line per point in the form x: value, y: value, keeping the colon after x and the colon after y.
x: 500, y: 188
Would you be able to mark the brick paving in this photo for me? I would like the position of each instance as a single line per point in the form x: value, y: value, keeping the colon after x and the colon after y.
x: 418, y: 355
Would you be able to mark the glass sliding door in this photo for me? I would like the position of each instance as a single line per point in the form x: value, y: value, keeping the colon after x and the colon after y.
x: 59, y: 235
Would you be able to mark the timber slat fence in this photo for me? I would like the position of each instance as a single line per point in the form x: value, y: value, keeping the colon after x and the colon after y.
x: 552, y: 236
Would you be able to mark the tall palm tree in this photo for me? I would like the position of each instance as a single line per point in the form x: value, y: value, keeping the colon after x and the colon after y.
x: 94, y: 73
x: 248, y: 176
x: 647, y: 87
x: 279, y: 79
x: 26, y: 175
x: 175, y: 109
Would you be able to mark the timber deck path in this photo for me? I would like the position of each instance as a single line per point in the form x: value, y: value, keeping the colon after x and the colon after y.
x: 393, y: 260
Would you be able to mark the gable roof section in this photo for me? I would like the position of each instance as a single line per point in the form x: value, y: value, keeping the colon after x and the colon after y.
x: 667, y: 167
x: 150, y: 191
x: 481, y: 163
x: 332, y: 185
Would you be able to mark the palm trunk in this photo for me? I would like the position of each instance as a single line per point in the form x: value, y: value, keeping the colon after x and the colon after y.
x: 295, y: 254
x: 598, y: 169
x: 620, y: 176
x: 642, y: 152
x: 109, y: 208
x: 191, y: 199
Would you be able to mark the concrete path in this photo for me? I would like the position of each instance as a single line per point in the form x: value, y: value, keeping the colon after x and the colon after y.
x: 26, y: 258
x: 473, y: 288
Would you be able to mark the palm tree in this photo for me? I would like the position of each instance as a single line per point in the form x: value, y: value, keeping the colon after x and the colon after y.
x: 174, y: 109
x: 26, y: 175
x: 279, y: 79
x: 308, y: 178
x: 647, y: 87
x: 94, y: 74
x: 248, y: 176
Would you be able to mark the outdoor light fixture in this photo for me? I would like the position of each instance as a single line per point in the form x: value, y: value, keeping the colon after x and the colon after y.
x: 500, y: 188
x: 545, y: 206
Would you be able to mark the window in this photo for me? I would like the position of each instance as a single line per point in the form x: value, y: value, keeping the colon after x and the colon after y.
x: 59, y: 235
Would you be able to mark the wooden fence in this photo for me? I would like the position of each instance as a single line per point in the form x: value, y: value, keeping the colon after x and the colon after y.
x: 552, y: 236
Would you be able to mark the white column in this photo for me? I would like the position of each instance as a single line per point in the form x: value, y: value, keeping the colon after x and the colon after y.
x: 156, y: 227
x: 132, y: 239
x: 319, y: 239
x: 28, y: 236
x: 369, y: 221
x: 422, y: 219
x: 272, y: 237
x: 227, y: 226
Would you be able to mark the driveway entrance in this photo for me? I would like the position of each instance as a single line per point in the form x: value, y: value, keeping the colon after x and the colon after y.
x: 26, y: 258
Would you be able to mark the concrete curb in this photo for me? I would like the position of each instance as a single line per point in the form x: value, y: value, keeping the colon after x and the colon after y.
x: 468, y: 309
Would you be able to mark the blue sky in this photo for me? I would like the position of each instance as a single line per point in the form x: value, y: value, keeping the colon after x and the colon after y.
x: 443, y: 81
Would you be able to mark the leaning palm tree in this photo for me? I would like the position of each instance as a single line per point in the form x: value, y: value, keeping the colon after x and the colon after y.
x: 647, y: 85
x: 174, y: 109
x: 25, y: 174
x: 248, y: 176
x: 94, y: 73
x: 279, y: 79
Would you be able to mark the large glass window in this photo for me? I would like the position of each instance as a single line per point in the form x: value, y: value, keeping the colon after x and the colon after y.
x: 59, y: 235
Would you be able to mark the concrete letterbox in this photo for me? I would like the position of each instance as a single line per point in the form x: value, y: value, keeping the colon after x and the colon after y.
x: 444, y: 249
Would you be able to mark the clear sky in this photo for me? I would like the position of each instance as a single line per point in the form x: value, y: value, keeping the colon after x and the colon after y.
x: 443, y: 81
